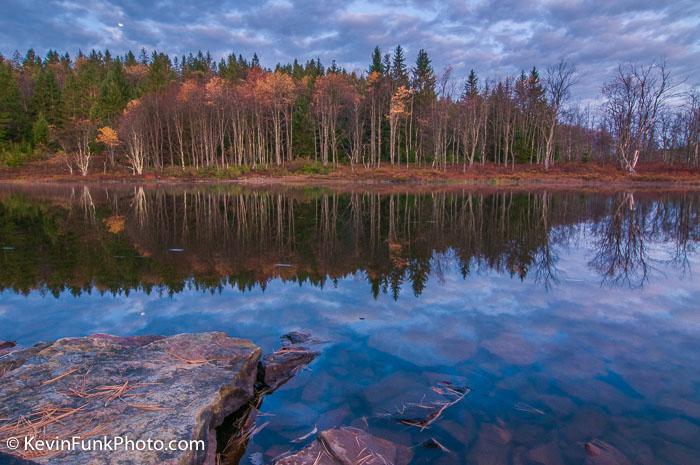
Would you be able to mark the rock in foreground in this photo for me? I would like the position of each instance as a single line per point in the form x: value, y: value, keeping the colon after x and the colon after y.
x: 344, y: 446
x: 6, y: 345
x: 175, y: 388
x: 280, y: 366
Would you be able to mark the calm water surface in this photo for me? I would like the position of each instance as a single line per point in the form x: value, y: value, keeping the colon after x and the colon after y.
x: 571, y: 316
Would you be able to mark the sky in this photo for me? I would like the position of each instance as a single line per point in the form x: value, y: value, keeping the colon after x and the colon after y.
x: 496, y: 38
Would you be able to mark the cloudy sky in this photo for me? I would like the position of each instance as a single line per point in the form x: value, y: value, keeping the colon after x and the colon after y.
x: 493, y: 37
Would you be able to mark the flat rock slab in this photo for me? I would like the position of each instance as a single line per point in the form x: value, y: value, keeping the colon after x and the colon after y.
x: 175, y: 388
x: 345, y: 446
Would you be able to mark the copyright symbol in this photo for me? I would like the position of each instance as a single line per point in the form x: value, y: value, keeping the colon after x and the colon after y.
x: 13, y: 443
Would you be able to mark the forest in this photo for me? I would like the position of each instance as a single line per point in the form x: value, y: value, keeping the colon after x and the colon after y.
x: 157, y: 113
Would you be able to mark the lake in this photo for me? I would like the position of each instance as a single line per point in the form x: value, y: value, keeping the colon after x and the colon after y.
x: 569, y: 316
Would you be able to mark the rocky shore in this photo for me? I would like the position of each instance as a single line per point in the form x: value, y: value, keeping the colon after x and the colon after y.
x: 179, y: 388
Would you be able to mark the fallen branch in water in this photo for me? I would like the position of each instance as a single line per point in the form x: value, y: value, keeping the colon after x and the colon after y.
x: 438, y: 408
x: 306, y: 436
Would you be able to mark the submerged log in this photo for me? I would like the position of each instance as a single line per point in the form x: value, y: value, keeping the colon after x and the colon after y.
x: 344, y: 446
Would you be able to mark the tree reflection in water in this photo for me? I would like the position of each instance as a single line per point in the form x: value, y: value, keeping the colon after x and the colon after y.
x: 121, y: 239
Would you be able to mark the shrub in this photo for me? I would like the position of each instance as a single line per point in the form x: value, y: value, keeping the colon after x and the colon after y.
x: 312, y: 167
x: 17, y: 154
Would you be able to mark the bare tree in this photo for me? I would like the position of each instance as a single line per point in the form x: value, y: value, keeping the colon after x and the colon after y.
x: 85, y: 135
x: 558, y: 81
x: 635, y: 98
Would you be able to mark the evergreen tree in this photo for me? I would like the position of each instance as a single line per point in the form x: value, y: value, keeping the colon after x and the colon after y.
x: 535, y: 89
x: 40, y: 131
x: 46, y: 99
x: 12, y: 119
x: 143, y: 57
x: 159, y: 72
x: 386, y: 64
x: 471, y: 87
x: 423, y: 75
x: 399, y: 72
x: 231, y: 68
x: 334, y: 68
x: 129, y: 59
x: 376, y: 66
x: 82, y: 87
x: 115, y: 93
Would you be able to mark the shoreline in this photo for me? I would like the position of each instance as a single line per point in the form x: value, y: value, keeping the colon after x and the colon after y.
x: 571, y: 176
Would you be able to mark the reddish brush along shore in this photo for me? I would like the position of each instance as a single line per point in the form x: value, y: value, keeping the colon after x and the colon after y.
x: 564, y: 174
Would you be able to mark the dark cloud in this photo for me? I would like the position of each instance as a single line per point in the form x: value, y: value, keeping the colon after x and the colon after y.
x: 496, y: 38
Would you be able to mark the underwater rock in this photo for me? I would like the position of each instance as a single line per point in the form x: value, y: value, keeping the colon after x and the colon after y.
x: 344, y: 446
x: 145, y: 387
x: 513, y: 348
x: 601, y: 453
x: 280, y: 366
x: 299, y: 337
x: 546, y: 454
x: 492, y: 446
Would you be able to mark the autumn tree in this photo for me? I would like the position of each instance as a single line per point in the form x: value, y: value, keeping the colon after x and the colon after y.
x: 278, y: 94
x: 133, y: 133
x: 330, y: 95
x: 397, y: 112
x: 110, y: 139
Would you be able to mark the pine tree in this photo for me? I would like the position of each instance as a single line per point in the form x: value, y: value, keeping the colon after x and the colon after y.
x: 46, y: 99
x: 376, y: 66
x: 535, y: 89
x: 471, y: 87
x: 40, y: 131
x: 115, y: 93
x: 143, y: 57
x: 399, y: 72
x: 333, y: 68
x: 130, y: 59
x: 12, y: 118
x: 423, y: 75
x: 386, y: 64
x: 159, y: 72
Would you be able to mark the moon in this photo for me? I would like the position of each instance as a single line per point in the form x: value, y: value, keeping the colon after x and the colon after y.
x: 120, y: 24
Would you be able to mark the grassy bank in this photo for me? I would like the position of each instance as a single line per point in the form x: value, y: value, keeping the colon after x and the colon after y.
x: 308, y: 171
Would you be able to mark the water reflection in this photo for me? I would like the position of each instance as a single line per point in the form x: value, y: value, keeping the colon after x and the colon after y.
x: 571, y: 316
x: 119, y: 240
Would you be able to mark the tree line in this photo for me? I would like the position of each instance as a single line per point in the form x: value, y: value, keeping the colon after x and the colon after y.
x: 152, y: 112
